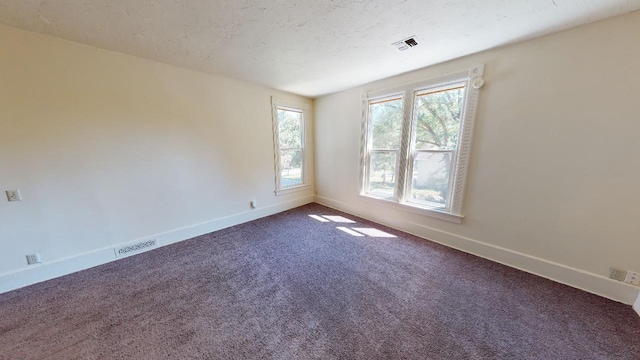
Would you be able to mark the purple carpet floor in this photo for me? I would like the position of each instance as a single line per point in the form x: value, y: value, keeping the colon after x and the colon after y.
x: 292, y: 287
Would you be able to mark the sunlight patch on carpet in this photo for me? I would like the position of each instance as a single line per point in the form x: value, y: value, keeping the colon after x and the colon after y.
x: 338, y: 219
x: 374, y: 232
x: 349, y: 231
x: 319, y: 218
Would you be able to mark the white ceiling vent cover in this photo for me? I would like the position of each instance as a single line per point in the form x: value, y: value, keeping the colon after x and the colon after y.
x: 135, y: 248
x: 407, y: 43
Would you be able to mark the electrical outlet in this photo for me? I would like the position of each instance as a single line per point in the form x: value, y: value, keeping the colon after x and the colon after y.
x: 632, y: 278
x: 14, y: 195
x: 33, y: 259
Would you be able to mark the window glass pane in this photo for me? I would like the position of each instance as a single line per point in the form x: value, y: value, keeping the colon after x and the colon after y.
x: 386, y: 121
x: 430, y: 183
x: 291, y: 168
x: 382, y: 174
x: 438, y: 119
x: 289, y: 129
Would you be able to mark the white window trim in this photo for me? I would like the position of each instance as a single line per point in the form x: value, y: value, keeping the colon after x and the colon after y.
x: 277, y: 103
x: 469, y: 78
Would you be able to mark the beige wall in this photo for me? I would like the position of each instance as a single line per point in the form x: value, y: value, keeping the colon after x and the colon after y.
x: 554, y: 175
x: 107, y: 148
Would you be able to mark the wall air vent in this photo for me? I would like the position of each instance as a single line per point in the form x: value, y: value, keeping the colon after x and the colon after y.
x: 135, y: 248
x: 407, y: 43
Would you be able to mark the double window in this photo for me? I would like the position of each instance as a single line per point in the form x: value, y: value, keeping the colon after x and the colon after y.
x: 289, y: 142
x: 416, y: 142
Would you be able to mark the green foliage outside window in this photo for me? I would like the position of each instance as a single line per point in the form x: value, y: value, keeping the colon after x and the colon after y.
x: 437, y: 117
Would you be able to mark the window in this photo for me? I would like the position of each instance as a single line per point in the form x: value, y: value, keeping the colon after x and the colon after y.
x: 289, y: 145
x: 416, y: 142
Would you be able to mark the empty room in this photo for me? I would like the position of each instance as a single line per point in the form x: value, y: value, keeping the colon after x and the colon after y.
x: 247, y: 179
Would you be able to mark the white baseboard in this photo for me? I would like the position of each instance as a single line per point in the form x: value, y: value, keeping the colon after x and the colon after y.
x: 636, y: 305
x: 593, y: 283
x: 46, y: 271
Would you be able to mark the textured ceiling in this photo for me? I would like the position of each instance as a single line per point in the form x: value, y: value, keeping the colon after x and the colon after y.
x: 306, y: 47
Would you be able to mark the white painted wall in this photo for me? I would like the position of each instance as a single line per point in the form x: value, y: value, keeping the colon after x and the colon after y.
x: 108, y: 148
x: 553, y: 180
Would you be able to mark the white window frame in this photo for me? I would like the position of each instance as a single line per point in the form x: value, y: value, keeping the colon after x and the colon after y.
x: 283, y: 104
x: 472, y: 81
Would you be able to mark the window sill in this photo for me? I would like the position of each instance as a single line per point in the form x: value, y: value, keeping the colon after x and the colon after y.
x: 292, y: 189
x: 437, y: 214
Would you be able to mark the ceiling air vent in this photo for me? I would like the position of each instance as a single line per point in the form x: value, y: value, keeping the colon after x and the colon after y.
x: 407, y: 43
